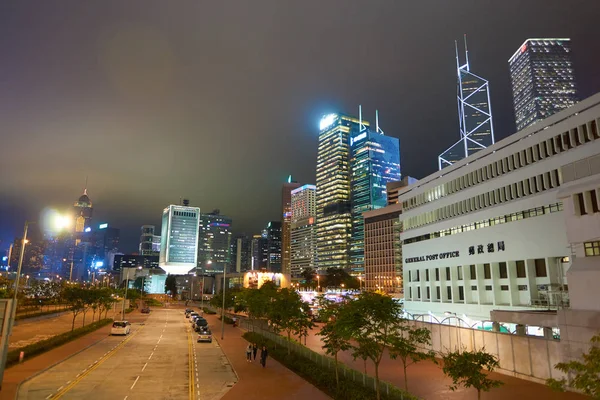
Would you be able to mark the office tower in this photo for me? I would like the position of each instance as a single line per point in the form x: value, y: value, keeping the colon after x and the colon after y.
x: 240, y: 253
x: 33, y: 257
x: 214, y: 242
x: 259, y: 251
x: 286, y: 220
x: 179, y: 239
x: 542, y: 78
x: 394, y: 188
x: 83, y: 212
x: 334, y: 219
x: 474, y: 114
x: 149, y: 241
x: 374, y: 161
x: 105, y: 241
x: 134, y: 261
x: 273, y: 234
x: 303, y: 250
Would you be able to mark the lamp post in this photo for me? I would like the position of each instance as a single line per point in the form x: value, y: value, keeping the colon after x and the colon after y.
x: 141, y: 268
x: 125, y: 298
x: 223, y: 309
x: 318, y: 283
x: 202, y: 294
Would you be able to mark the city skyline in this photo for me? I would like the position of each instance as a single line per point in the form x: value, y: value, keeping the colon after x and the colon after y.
x: 101, y: 109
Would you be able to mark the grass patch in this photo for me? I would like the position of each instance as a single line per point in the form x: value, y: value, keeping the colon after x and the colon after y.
x: 43, y: 346
x: 38, y: 314
x: 151, y: 302
x: 322, y: 377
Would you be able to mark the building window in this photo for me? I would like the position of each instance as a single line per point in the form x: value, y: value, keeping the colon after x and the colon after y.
x: 437, y: 274
x: 428, y: 293
x: 522, y: 288
x: 487, y: 271
x: 437, y: 293
x: 410, y: 293
x: 461, y: 293
x: 504, y: 288
x: 409, y: 276
x: 449, y: 292
x: 488, y: 287
x: 581, y: 204
x: 418, y: 277
x: 419, y: 293
x: 447, y: 273
x: 459, y: 272
x: 521, y: 272
x: 473, y: 273
x: 592, y: 249
x: 427, y: 275
x: 540, y: 268
x: 474, y: 287
x: 503, y: 270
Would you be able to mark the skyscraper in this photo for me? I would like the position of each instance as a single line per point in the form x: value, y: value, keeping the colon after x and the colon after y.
x: 273, y: 234
x: 334, y: 219
x: 149, y: 241
x: 543, y: 81
x: 179, y: 239
x: 303, y: 241
x: 259, y: 251
x: 374, y: 161
x: 83, y: 212
x: 214, y: 242
x: 286, y: 219
x: 474, y: 114
x: 240, y: 253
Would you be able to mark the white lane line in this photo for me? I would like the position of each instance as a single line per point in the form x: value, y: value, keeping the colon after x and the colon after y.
x: 125, y: 397
x: 60, y: 388
x: 160, y: 337
x: 69, y: 382
x: 150, y: 355
x: 47, y: 397
x: 136, y: 379
x: 145, y: 365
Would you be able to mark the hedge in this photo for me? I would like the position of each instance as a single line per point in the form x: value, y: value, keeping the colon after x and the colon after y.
x: 45, y: 345
x: 227, y: 320
x: 209, y: 311
x: 322, y: 377
x: 39, y: 314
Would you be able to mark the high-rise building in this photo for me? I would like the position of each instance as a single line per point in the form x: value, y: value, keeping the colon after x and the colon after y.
x: 83, y: 212
x: 286, y: 220
x: 334, y: 219
x: 374, y: 161
x: 273, y: 234
x: 149, y: 241
x: 241, y: 257
x: 105, y: 241
x: 179, y: 239
x: 214, y: 242
x: 303, y: 227
x: 393, y: 188
x: 474, y: 114
x: 259, y: 251
x: 543, y: 81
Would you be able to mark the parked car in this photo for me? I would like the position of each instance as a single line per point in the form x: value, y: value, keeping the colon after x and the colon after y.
x: 205, y: 336
x: 193, y: 316
x: 120, y: 328
x: 200, y: 324
x: 188, y: 311
x: 146, y: 310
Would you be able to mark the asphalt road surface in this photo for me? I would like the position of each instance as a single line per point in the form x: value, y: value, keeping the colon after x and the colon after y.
x: 160, y: 359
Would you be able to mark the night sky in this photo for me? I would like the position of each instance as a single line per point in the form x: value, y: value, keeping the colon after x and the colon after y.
x: 219, y: 101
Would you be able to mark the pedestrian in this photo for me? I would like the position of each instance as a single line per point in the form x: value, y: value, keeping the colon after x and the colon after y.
x: 249, y: 353
x: 263, y: 356
x: 254, y: 350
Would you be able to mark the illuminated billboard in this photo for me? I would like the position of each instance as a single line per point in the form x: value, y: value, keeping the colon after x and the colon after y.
x: 255, y: 279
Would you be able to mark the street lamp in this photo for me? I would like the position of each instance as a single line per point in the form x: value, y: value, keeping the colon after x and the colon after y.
x: 318, y: 283
x: 223, y: 309
x: 202, y: 294
x: 360, y: 283
x: 125, y: 298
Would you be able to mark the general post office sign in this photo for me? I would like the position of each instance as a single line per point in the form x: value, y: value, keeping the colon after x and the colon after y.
x: 431, y: 257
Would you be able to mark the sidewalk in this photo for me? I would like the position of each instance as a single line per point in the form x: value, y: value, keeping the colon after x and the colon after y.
x: 256, y: 383
x: 13, y: 376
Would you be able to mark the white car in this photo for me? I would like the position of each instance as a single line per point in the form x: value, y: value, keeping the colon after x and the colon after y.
x: 120, y: 328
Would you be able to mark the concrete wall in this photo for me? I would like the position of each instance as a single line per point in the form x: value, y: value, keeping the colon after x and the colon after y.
x: 525, y: 357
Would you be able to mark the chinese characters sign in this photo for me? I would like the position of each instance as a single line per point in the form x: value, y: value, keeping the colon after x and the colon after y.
x: 490, y: 247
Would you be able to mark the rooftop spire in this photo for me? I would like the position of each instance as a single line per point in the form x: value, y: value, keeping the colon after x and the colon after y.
x: 85, y: 188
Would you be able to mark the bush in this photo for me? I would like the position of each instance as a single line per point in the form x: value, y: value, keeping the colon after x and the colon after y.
x: 151, y: 302
x: 43, y: 346
x: 209, y: 311
x: 323, y: 377
x: 38, y: 314
x: 227, y: 320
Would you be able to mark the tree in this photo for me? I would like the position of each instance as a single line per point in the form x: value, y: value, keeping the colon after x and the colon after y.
x: 405, y: 347
x: 171, y: 285
x: 287, y: 312
x: 585, y: 374
x: 335, y: 339
x: 466, y: 368
x: 373, y: 321
x: 309, y: 275
x: 74, y: 297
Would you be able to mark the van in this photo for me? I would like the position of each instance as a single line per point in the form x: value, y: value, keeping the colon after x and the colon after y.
x: 120, y: 328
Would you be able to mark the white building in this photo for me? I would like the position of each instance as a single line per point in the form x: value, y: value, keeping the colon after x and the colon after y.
x: 179, y: 239
x: 488, y: 233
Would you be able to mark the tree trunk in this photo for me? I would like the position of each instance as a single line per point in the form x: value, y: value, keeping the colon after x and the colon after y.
x: 405, y: 377
x: 478, y: 394
x: 337, y: 378
x: 84, y: 318
x: 365, y: 361
x: 289, y: 341
x: 73, y: 324
x: 377, y: 381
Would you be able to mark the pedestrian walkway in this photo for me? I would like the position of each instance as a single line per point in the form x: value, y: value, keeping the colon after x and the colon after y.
x: 255, y: 382
x: 13, y: 376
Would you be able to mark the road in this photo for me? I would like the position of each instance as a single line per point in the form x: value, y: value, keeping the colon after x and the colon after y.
x: 158, y: 360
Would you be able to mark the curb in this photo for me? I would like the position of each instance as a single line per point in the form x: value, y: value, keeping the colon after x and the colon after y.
x: 56, y: 363
x: 237, y: 377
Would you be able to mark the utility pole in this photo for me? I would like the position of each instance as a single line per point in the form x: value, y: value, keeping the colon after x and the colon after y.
x: 223, y: 309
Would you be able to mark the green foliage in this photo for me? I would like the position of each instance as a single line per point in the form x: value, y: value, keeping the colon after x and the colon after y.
x: 466, y: 369
x: 151, y: 302
x: 322, y: 377
x: 335, y: 339
x: 406, y: 347
x: 48, y: 344
x: 309, y: 275
x: 337, y: 276
x: 228, y: 320
x: 171, y: 285
x: 208, y: 311
x: 287, y: 312
x: 585, y: 374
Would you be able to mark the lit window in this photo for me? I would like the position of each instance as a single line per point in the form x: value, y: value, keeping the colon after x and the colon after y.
x: 592, y: 249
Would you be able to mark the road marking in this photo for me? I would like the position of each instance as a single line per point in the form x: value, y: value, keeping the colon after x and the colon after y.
x: 47, y: 397
x: 191, y: 353
x: 145, y: 365
x: 125, y: 397
x: 150, y: 355
x: 64, y: 389
x: 136, y: 379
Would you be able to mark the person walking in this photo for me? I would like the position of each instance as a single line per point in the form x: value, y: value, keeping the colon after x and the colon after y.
x: 263, y: 356
x: 249, y: 353
x: 254, y: 350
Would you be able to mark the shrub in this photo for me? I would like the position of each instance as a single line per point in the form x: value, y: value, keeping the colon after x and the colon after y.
x: 37, y: 314
x: 151, y: 302
x: 322, y: 377
x: 227, y: 320
x: 43, y: 346
x: 209, y: 311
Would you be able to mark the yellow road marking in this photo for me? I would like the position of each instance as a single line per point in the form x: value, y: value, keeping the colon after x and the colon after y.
x: 70, y: 386
x: 192, y: 387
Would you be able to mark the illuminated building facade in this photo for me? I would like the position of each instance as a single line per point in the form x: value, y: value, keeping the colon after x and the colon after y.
x: 241, y: 253
x: 273, y: 234
x: 214, y: 242
x: 303, y: 227
x: 474, y: 115
x: 334, y: 217
x: 375, y: 161
x: 543, y: 81
x: 393, y: 188
x: 149, y: 241
x: 286, y: 220
x: 259, y: 251
x: 179, y: 239
x: 83, y: 212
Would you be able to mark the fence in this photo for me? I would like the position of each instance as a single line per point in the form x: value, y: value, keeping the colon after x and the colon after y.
x: 325, y: 361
